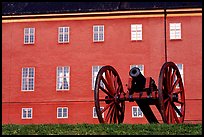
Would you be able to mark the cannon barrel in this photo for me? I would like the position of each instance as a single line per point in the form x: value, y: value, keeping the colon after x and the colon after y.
x: 138, y: 80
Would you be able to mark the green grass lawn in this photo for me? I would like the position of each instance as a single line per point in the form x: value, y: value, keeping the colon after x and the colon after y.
x: 103, y: 129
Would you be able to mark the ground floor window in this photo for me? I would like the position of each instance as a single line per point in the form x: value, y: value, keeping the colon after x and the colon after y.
x: 62, y: 112
x: 94, y: 112
x: 136, y: 112
x: 26, y: 113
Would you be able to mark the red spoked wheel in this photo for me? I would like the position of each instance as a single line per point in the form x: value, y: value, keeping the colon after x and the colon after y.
x: 108, y: 88
x: 171, y: 94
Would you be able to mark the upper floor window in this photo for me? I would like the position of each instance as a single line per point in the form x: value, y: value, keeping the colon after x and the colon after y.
x: 136, y: 31
x: 27, y: 113
x: 29, y: 35
x: 28, y: 75
x: 95, y: 70
x: 63, y: 34
x: 63, y: 75
x: 62, y: 112
x: 98, y: 33
x: 140, y: 66
x: 136, y: 112
x: 95, y: 114
x: 175, y: 31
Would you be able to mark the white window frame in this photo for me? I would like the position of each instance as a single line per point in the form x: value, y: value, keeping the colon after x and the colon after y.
x: 175, y: 31
x: 98, y: 33
x: 181, y: 72
x: 136, y: 32
x: 62, y: 112
x: 29, y: 35
x: 94, y: 75
x: 62, y: 78
x: 63, y: 33
x: 140, y: 66
x: 26, y: 111
x: 27, y: 79
x: 95, y: 114
x: 137, y: 115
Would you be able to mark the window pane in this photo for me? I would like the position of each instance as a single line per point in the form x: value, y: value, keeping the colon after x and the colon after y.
x: 133, y: 27
x: 60, y: 29
x: 26, y: 39
x: 101, y: 28
x: 95, y: 28
x: 96, y: 36
x: 65, y: 29
x: 31, y: 30
x: 26, y: 30
x: 100, y: 36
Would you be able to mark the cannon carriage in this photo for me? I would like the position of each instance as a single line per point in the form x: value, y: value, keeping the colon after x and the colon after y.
x: 168, y: 96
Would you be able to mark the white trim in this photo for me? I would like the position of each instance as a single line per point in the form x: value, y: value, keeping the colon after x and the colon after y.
x: 28, y: 74
x: 26, y: 109
x: 93, y: 83
x: 67, y: 76
x: 98, y: 32
x: 137, y: 107
x: 173, y: 29
x: 29, y: 34
x: 62, y: 112
x: 181, y: 72
x: 135, y: 32
x: 63, y: 35
x: 94, y: 112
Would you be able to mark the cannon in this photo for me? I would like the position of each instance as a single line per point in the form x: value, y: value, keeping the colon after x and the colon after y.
x: 168, y: 96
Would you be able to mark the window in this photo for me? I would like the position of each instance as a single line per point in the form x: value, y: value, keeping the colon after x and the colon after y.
x: 94, y: 112
x: 136, y: 31
x: 136, y: 112
x: 140, y: 66
x: 27, y: 113
x: 180, y: 68
x: 62, y: 112
x: 175, y: 31
x: 95, y: 70
x: 28, y: 75
x: 63, y: 34
x: 29, y: 35
x: 98, y: 33
x: 63, y: 74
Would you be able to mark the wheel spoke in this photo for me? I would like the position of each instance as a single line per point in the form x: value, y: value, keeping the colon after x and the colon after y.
x: 107, y: 86
x: 171, y: 114
x: 166, y: 100
x: 180, y: 102
x: 173, y: 76
x: 109, y: 80
x: 107, y: 106
x: 106, y: 99
x: 105, y: 91
x: 109, y: 113
x: 112, y: 114
x: 177, y: 91
x: 167, y: 111
x: 176, y: 109
x: 175, y: 116
x: 116, y: 83
x: 175, y: 84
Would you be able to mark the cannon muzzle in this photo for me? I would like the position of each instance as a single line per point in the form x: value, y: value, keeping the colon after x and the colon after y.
x: 134, y: 72
x: 138, y: 80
